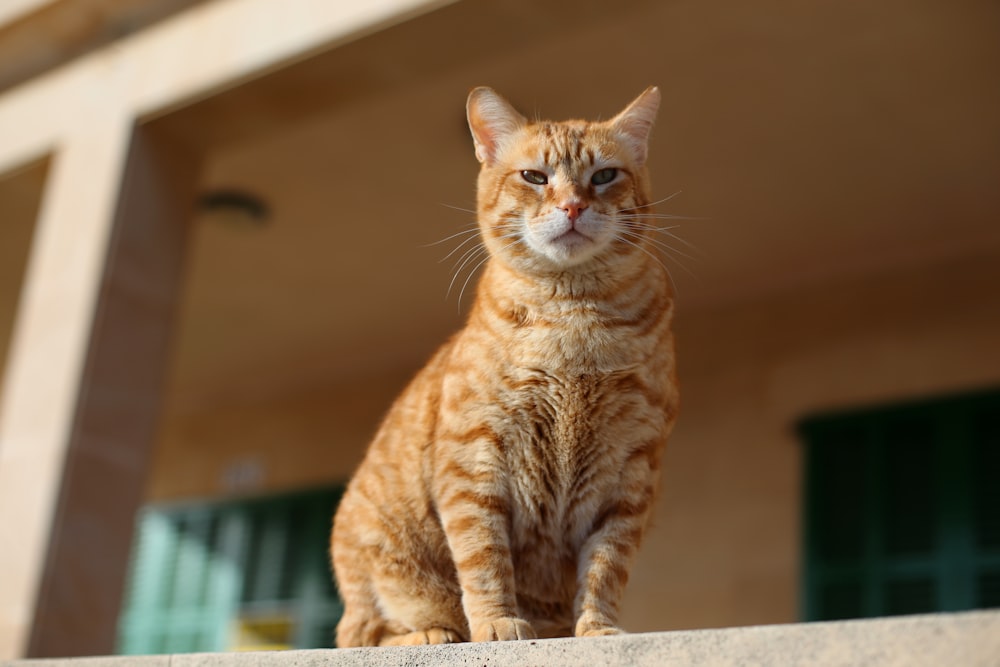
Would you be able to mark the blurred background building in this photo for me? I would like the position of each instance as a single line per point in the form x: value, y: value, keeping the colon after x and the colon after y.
x: 215, y: 274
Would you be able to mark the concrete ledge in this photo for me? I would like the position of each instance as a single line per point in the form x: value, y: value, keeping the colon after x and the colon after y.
x: 968, y: 639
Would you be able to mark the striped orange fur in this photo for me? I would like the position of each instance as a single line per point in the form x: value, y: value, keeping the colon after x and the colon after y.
x: 507, y: 490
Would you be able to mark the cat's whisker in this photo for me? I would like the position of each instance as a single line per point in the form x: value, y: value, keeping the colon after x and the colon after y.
x: 670, y: 251
x: 459, y: 247
x: 652, y: 203
x: 513, y: 230
x: 476, y: 268
x: 458, y: 275
x: 659, y: 216
x: 690, y: 246
x: 670, y: 276
x: 468, y: 278
x: 459, y: 208
x: 669, y: 248
x: 470, y: 256
x: 472, y: 230
x: 687, y: 243
x: 666, y: 231
x: 512, y: 222
x: 469, y: 251
x: 638, y: 224
x: 660, y: 242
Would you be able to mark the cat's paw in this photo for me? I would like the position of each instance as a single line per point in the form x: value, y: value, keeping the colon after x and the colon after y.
x: 503, y: 629
x: 422, y: 637
x: 593, y: 628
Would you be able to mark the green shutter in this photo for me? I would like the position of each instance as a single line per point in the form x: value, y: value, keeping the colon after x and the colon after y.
x: 903, y: 509
x: 985, y: 494
x: 203, y: 576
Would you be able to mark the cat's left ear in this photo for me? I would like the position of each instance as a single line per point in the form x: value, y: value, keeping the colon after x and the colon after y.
x: 492, y: 119
x: 636, y: 122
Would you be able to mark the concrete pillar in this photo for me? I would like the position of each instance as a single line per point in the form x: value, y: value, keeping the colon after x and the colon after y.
x: 82, y: 386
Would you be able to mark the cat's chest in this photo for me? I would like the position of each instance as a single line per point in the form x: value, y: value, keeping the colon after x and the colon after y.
x: 567, y: 440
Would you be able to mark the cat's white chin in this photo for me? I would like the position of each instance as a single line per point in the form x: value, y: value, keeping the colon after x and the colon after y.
x: 572, y: 242
x: 566, y: 245
x: 569, y: 249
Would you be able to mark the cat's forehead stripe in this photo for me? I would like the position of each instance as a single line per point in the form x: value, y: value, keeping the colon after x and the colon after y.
x: 566, y: 144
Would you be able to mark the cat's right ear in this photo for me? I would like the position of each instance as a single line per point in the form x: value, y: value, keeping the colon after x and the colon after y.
x: 492, y: 119
x: 636, y: 122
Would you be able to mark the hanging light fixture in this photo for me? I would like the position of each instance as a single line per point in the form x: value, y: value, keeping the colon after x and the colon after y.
x: 234, y: 208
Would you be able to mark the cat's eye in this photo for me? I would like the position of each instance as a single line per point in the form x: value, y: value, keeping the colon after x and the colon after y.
x: 602, y: 176
x: 534, y: 177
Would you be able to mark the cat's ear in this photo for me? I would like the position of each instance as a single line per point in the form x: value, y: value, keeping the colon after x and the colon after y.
x: 636, y: 122
x: 491, y: 119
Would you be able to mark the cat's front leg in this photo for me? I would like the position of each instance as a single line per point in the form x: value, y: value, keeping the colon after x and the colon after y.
x: 605, y: 560
x: 474, y: 506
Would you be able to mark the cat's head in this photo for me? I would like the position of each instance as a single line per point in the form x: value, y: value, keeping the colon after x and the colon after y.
x: 557, y: 195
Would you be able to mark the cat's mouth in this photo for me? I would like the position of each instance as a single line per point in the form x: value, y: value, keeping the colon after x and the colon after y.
x: 572, y: 244
x: 572, y: 236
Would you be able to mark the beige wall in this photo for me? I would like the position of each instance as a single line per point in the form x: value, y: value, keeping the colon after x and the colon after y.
x: 304, y: 440
x: 724, y: 548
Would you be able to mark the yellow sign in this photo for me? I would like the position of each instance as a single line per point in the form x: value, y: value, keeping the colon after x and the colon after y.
x: 263, y: 633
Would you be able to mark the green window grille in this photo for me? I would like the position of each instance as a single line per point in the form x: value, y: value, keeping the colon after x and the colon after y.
x: 252, y: 574
x: 903, y: 509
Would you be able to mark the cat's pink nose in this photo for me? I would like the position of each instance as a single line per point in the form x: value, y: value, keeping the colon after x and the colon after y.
x: 573, y: 209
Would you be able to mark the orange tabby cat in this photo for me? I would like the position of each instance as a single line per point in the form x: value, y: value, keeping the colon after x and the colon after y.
x: 506, y: 492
